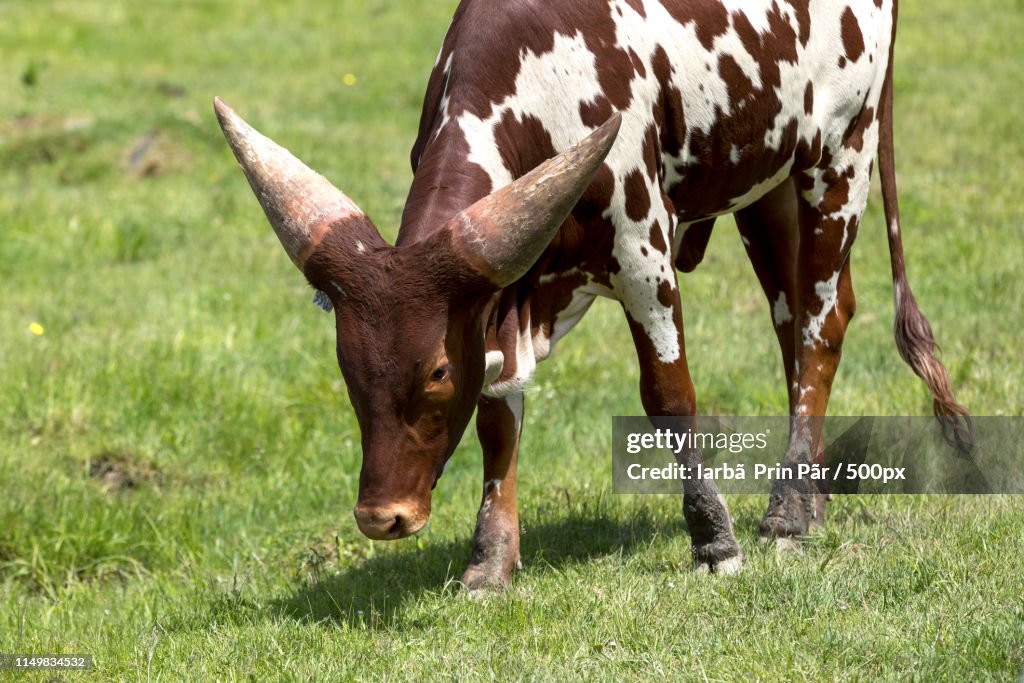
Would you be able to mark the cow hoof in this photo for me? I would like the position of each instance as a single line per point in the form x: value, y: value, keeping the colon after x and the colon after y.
x: 478, y: 594
x: 719, y: 557
x: 783, y: 544
x: 480, y: 582
x: 792, y: 515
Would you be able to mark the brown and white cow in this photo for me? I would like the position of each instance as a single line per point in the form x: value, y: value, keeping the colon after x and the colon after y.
x: 772, y: 110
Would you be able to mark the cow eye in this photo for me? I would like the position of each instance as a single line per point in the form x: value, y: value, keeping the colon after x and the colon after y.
x: 440, y: 374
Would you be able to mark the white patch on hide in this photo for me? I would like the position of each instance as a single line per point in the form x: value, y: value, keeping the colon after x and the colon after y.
x: 781, y: 313
x: 494, y: 361
x: 827, y: 291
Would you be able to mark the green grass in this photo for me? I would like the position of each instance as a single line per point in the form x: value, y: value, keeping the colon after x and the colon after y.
x: 181, y: 359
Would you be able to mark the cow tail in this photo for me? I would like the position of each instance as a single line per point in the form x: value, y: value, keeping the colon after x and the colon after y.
x: 913, y: 334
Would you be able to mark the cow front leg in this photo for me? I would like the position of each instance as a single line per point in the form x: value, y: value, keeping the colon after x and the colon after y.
x: 666, y: 388
x: 499, y: 422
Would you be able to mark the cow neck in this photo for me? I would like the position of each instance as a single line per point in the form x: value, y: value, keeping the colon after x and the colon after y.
x: 445, y: 183
x: 515, y: 321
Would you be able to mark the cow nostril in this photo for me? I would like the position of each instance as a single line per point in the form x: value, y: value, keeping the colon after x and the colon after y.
x: 397, y: 525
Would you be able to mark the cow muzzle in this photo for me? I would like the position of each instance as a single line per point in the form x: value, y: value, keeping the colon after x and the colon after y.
x: 390, y: 522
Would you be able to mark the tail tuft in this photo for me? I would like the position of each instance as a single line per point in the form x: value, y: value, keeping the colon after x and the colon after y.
x: 917, y: 347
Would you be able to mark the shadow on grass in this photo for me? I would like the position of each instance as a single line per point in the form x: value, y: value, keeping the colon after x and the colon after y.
x: 374, y: 592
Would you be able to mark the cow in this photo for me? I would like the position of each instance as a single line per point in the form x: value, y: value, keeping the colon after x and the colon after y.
x: 583, y: 148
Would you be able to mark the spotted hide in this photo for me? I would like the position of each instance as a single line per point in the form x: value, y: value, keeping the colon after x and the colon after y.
x: 772, y: 110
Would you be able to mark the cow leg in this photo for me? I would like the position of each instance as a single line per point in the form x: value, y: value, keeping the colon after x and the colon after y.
x: 830, y: 209
x: 499, y: 423
x: 769, y: 229
x: 666, y: 388
x: 797, y: 505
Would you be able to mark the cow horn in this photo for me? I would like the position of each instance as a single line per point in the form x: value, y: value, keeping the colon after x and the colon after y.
x: 503, y: 234
x: 300, y: 204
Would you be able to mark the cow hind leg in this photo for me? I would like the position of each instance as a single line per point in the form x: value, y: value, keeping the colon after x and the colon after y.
x: 769, y: 230
x: 666, y: 389
x: 829, y: 209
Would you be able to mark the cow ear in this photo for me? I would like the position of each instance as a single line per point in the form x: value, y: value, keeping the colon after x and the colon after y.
x: 301, y: 205
x: 502, y: 235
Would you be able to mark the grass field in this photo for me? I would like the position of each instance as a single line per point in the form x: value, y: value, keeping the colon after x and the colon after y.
x: 178, y: 460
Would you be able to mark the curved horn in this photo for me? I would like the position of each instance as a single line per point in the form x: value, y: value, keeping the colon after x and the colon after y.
x: 503, y: 234
x: 300, y: 203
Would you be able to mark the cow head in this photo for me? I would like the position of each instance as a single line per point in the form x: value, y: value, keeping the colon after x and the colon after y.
x: 409, y: 319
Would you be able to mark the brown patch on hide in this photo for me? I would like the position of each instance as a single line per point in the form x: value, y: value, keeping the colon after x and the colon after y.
x: 666, y: 293
x: 638, y: 198
x: 853, y: 39
x: 594, y: 113
x: 658, y: 238
x: 710, y: 19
